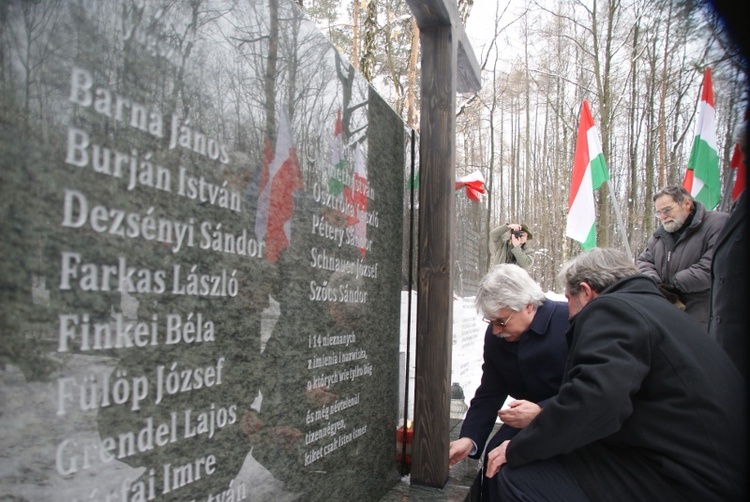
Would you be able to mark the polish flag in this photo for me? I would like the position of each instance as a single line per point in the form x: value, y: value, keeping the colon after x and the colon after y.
x: 280, y: 178
x: 474, y: 184
x: 589, y: 173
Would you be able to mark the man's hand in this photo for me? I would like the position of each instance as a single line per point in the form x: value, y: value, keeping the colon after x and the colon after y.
x: 520, y: 414
x: 514, y: 227
x: 496, y: 459
x: 672, y: 294
x: 459, y: 450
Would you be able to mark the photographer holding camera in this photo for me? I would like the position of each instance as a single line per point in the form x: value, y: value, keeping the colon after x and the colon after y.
x: 508, y: 244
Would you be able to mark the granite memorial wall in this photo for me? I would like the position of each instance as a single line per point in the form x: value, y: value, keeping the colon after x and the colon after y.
x: 202, y: 217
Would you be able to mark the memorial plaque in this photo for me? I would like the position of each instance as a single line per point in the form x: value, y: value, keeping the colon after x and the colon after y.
x: 202, y: 229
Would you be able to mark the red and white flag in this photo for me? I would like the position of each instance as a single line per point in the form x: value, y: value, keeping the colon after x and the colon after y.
x: 474, y: 184
x: 279, y: 179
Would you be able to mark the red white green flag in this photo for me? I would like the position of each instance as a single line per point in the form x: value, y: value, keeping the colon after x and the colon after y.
x: 338, y: 160
x: 702, y: 175
x: 357, y: 195
x: 589, y: 173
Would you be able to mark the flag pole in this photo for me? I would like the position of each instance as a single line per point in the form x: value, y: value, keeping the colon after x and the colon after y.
x: 616, y: 207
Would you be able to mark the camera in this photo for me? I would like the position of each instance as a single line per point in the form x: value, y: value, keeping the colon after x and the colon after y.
x: 517, y: 233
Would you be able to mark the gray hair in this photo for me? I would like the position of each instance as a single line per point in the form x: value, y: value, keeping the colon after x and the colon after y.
x: 597, y: 267
x: 507, y: 285
x: 677, y: 192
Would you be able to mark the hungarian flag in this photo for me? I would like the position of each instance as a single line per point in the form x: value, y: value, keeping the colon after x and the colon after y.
x: 279, y: 179
x: 589, y: 173
x: 356, y: 195
x: 338, y: 160
x: 702, y: 176
x: 474, y: 184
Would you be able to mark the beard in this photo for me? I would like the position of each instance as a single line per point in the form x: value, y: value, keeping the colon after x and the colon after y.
x: 675, y: 224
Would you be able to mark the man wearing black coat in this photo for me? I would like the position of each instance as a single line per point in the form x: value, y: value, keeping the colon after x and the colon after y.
x: 650, y: 408
x: 729, y: 279
x: 729, y: 286
x: 524, y: 357
x: 678, y: 255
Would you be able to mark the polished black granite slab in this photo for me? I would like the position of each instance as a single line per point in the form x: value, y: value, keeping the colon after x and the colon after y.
x: 202, y: 216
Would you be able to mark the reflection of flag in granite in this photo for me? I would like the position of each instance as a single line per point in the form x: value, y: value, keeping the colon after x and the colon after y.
x: 338, y: 161
x: 279, y: 179
x: 356, y: 195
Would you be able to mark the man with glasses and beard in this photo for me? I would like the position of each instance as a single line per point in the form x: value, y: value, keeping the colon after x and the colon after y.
x: 524, y: 357
x: 678, y: 255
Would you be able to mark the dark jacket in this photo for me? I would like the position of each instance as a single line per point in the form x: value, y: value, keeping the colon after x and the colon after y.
x: 529, y: 369
x: 650, y: 408
x: 729, y: 286
x: 686, y: 263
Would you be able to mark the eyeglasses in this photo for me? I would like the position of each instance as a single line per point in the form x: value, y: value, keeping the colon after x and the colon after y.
x: 498, y: 322
x: 665, y: 211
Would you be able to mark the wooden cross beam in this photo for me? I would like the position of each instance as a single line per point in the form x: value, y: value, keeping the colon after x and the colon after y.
x: 448, y: 67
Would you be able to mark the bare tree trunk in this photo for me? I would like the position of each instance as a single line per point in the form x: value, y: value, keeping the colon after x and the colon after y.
x: 632, y: 140
x: 603, y: 57
x: 367, y: 64
x: 662, y: 102
x: 464, y: 9
x: 355, y: 34
x: 269, y: 84
x: 527, y: 168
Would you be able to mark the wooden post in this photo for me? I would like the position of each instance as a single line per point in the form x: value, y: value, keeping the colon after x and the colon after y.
x: 448, y: 66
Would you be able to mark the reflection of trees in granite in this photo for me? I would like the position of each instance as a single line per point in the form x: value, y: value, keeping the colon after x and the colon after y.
x: 107, y: 42
x: 203, y: 424
x: 277, y: 431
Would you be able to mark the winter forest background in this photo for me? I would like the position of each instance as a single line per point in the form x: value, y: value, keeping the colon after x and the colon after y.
x: 639, y: 63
